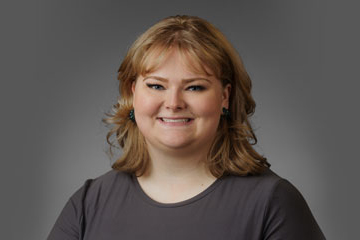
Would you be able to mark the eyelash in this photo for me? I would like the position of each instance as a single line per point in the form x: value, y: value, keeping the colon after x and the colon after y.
x: 159, y: 87
x: 154, y: 86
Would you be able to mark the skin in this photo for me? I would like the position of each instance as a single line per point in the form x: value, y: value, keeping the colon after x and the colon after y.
x: 177, y: 150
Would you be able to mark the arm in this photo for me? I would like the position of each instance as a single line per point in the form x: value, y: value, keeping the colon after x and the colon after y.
x: 288, y: 216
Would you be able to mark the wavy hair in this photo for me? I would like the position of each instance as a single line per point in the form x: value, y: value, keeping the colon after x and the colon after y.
x: 232, y: 150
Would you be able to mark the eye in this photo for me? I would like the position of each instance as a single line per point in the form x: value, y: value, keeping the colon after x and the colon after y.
x: 155, y: 86
x: 196, y: 88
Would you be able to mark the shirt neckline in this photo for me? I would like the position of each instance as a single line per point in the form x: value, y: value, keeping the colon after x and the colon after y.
x: 141, y: 193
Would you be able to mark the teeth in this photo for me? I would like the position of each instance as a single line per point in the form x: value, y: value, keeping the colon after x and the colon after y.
x: 176, y: 120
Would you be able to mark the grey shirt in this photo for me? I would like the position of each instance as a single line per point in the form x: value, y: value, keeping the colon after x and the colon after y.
x: 114, y: 206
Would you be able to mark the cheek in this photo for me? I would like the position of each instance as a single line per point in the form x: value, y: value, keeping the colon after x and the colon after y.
x: 209, y: 106
x: 144, y: 105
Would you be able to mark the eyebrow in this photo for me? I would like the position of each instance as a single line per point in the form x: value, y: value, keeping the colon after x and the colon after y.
x: 186, y: 80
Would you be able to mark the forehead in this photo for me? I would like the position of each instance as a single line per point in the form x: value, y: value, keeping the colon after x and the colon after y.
x: 160, y: 59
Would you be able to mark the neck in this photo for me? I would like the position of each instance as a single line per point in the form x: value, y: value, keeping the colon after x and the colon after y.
x: 177, y: 166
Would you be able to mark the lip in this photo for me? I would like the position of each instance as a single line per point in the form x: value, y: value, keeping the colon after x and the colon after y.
x: 175, y: 124
x: 175, y: 117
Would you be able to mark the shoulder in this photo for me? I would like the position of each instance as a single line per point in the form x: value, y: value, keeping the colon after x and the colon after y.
x: 264, y: 191
x: 285, y: 213
x: 84, y: 202
x: 278, y: 205
x: 263, y: 183
x: 268, y: 190
x: 96, y: 190
x: 109, y: 178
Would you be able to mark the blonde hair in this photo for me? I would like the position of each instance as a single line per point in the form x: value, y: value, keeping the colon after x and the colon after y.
x: 198, y: 40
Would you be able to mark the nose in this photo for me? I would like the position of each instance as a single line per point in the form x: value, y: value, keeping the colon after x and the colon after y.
x: 174, y: 100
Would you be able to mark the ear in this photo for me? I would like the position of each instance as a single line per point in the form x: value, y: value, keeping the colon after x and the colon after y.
x: 133, y: 87
x: 226, y: 96
x: 133, y: 91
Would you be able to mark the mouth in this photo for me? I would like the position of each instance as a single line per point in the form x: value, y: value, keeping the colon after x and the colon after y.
x: 175, y: 120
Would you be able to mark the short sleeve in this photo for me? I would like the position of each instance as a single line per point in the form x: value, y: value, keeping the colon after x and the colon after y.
x: 69, y: 224
x: 288, y: 216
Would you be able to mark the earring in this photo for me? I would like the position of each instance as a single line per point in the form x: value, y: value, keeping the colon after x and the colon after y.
x: 226, y: 113
x: 132, y: 115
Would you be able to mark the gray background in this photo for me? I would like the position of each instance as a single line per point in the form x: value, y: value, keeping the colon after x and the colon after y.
x: 58, y: 78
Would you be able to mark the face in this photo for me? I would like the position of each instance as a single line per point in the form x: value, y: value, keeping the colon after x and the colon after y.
x: 176, y: 109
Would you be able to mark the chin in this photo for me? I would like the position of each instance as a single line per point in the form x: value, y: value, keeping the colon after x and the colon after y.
x: 176, y: 145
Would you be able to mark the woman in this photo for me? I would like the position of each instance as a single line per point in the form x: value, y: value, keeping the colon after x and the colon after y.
x: 188, y: 168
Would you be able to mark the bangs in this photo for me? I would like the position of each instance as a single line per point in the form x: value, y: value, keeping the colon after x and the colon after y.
x: 198, y: 60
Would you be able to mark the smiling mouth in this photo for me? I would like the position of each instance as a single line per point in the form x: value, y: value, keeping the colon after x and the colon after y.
x: 176, y: 120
